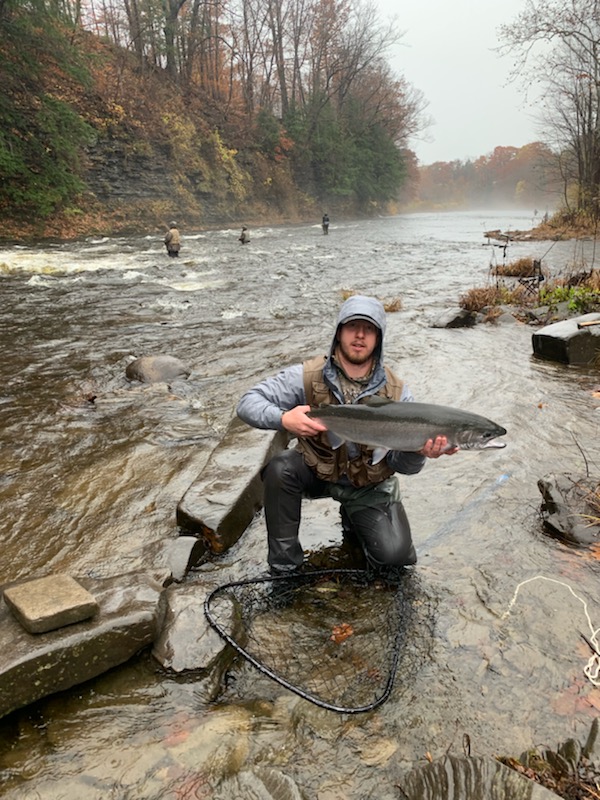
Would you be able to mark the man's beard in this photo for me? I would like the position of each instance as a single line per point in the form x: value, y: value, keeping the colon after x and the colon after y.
x: 355, y: 359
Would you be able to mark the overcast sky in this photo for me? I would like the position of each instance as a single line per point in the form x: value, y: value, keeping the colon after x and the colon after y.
x: 447, y: 52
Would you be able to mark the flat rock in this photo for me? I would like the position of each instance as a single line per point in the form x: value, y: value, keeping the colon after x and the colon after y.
x: 44, y: 604
x: 33, y: 666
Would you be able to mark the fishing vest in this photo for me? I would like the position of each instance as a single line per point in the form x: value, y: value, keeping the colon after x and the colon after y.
x: 174, y: 240
x: 331, y: 465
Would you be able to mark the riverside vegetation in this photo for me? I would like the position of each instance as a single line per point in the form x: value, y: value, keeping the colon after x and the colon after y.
x: 97, y: 137
x: 580, y: 290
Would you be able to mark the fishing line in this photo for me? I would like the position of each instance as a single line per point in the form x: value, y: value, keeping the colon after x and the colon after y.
x: 592, y: 668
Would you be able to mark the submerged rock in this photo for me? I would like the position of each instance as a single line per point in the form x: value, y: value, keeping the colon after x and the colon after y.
x: 566, y: 511
x: 157, y: 369
x: 259, y: 784
x: 471, y: 778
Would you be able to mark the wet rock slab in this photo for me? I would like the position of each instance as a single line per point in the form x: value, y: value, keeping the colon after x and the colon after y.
x: 34, y: 665
x: 187, y: 641
x: 222, y: 501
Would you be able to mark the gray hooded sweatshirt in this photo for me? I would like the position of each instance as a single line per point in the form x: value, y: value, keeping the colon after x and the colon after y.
x: 263, y: 405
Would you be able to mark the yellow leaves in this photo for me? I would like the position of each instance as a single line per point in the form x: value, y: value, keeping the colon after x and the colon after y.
x: 238, y: 178
x: 116, y: 110
x: 224, y: 152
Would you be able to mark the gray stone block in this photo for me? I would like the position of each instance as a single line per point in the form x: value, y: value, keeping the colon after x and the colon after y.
x: 223, y: 500
x: 571, y: 341
x: 45, y: 604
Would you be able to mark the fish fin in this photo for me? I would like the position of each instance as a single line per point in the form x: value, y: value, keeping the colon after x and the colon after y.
x: 335, y: 441
x: 379, y: 454
x: 375, y: 400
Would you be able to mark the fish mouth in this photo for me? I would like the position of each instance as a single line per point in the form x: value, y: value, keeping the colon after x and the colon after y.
x: 491, y: 444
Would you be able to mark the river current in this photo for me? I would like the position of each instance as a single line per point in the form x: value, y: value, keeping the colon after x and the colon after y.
x: 92, y: 468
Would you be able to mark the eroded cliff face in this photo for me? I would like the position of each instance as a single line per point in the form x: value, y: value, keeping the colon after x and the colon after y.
x: 149, y: 153
x: 132, y: 187
x: 139, y: 186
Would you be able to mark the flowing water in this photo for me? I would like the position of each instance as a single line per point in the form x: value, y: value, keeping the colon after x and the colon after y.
x: 92, y: 468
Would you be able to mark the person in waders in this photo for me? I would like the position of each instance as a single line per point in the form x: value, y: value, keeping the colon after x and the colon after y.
x: 172, y: 240
x: 371, y: 507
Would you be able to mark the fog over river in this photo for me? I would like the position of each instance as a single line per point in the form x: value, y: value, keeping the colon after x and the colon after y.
x: 91, y: 488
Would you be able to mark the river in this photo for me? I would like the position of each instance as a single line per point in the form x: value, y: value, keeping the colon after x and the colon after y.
x: 92, y: 468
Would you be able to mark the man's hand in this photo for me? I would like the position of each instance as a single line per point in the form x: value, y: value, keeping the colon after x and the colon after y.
x: 434, y: 448
x: 295, y: 421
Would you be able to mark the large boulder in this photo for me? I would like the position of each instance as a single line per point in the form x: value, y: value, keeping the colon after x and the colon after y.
x: 571, y: 341
x: 455, y: 318
x: 33, y: 665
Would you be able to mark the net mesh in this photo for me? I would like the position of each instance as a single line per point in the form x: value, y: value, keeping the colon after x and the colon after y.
x: 332, y: 636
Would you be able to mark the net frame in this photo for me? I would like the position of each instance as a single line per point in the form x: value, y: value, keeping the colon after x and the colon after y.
x: 303, y: 579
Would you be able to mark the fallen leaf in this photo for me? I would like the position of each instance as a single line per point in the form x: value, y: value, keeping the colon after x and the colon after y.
x: 341, y: 632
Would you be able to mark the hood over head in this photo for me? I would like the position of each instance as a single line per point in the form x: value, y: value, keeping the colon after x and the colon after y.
x: 367, y: 308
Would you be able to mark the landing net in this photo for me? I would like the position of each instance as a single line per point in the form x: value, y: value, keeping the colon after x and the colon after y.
x: 331, y: 636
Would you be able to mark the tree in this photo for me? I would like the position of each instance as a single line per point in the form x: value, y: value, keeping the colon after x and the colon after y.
x: 560, y: 41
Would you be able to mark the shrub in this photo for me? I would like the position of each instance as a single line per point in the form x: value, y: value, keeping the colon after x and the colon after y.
x: 580, y: 299
x: 477, y: 299
x: 521, y: 268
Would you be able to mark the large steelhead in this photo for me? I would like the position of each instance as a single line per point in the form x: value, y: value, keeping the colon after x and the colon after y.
x: 388, y: 425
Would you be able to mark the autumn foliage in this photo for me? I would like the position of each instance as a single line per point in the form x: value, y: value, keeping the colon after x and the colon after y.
x: 236, y: 100
x: 524, y: 177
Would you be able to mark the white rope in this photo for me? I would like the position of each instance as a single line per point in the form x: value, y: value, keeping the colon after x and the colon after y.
x: 592, y: 668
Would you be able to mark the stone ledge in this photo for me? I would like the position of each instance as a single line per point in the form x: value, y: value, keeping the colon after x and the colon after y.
x: 223, y: 500
x: 33, y: 666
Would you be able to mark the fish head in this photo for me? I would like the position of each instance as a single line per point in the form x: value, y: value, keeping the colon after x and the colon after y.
x: 482, y: 436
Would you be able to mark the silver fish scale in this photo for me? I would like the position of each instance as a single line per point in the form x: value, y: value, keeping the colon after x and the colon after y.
x: 407, y: 426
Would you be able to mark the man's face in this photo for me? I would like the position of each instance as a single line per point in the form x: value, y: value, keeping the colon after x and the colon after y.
x: 358, y: 340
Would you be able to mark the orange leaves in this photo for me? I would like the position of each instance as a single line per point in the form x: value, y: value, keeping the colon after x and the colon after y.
x: 341, y: 632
